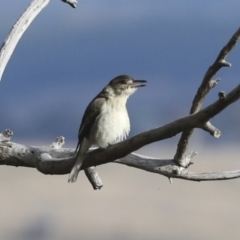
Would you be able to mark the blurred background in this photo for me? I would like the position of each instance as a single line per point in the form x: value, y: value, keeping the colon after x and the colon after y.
x: 62, y: 61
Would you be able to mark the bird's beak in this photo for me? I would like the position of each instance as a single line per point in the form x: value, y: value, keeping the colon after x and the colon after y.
x: 138, y: 83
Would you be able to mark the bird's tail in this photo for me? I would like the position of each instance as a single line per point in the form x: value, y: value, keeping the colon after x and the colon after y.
x: 76, y: 168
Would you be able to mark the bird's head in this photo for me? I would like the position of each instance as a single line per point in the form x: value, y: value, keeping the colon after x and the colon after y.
x: 125, y: 85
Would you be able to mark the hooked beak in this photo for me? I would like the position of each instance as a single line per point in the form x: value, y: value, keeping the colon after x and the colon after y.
x: 138, y: 83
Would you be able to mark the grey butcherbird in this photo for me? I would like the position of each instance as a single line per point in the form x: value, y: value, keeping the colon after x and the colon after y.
x: 105, y: 121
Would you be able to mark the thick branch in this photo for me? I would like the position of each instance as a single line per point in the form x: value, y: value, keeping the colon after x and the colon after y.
x: 55, y: 160
x: 93, y: 178
x: 19, y: 155
x: 206, y: 86
x: 196, y: 120
x: 60, y: 161
x: 17, y: 31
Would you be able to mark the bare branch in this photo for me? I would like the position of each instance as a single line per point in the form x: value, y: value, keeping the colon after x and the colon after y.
x: 56, y: 160
x: 169, y: 169
x: 19, y: 155
x: 90, y: 172
x: 221, y: 95
x: 20, y: 27
x: 206, y: 86
x: 167, y: 131
x: 211, y: 129
x: 50, y: 160
x: 72, y: 3
x: 93, y: 178
x: 60, y: 161
x: 17, y: 31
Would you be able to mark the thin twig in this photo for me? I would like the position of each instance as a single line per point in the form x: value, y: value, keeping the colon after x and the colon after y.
x: 72, y: 3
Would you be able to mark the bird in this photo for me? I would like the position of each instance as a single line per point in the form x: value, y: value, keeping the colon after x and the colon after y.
x: 105, y: 121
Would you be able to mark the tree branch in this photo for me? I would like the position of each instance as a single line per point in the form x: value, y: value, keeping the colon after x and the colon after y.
x: 6, y: 51
x: 17, y: 31
x: 72, y: 3
x: 197, y: 120
x: 205, y: 87
x: 56, y: 160
x: 60, y: 161
x: 20, y: 27
x: 14, y: 154
x: 50, y: 160
x: 169, y: 168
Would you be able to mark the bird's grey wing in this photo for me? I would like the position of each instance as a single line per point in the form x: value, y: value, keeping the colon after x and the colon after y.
x: 91, y: 113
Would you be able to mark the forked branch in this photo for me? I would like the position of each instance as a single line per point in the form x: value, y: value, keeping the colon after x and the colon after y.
x: 207, y: 84
x: 57, y: 160
x: 52, y: 160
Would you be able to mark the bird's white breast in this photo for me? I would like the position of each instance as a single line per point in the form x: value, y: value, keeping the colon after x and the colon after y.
x: 112, y: 125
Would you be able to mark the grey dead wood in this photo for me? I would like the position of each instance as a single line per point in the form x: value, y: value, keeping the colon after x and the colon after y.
x: 18, y: 29
x: 50, y: 160
x: 54, y: 159
x: 10, y: 44
x: 207, y: 84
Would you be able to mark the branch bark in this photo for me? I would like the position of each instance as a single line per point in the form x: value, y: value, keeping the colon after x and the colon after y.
x: 17, y: 31
x: 72, y: 3
x: 20, y: 27
x: 56, y: 160
x: 10, y: 44
x: 207, y: 84
x: 50, y: 160
x: 60, y: 161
